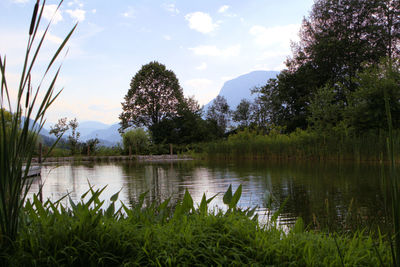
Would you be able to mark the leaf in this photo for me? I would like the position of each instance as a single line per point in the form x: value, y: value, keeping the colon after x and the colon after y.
x: 141, y: 199
x: 211, y: 198
x: 110, y: 211
x: 203, y: 205
x: 251, y: 212
x: 164, y: 205
x: 115, y: 196
x: 187, y: 202
x: 236, y: 197
x: 278, y: 212
x: 228, y: 196
x: 298, y: 226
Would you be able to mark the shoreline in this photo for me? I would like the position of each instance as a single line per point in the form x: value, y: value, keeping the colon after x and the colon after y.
x: 139, y: 158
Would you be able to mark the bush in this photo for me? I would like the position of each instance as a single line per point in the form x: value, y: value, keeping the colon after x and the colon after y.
x: 137, y: 139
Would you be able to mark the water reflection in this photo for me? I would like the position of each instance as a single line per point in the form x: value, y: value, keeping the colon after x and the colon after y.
x: 334, y: 196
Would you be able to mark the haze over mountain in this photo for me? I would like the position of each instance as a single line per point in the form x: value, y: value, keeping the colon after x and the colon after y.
x: 240, y: 88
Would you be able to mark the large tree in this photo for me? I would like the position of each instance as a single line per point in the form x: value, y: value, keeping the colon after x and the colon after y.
x: 154, y: 94
x: 338, y: 40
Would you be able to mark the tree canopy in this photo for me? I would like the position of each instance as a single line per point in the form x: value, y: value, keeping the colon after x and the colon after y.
x: 154, y: 94
x: 338, y: 40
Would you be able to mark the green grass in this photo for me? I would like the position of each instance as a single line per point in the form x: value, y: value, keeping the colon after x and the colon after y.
x: 161, y: 235
x: 301, y: 145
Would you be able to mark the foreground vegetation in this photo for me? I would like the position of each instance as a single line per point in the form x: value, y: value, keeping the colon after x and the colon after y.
x: 157, y: 234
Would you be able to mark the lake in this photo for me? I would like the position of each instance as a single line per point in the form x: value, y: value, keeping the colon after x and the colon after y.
x: 326, y: 196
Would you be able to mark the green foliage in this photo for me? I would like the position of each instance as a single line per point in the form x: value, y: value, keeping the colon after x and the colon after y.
x: 185, y: 128
x: 136, y: 139
x: 325, y: 111
x: 90, y: 146
x: 73, y: 139
x: 302, y: 145
x: 366, y: 110
x: 17, y: 142
x: 219, y: 113
x: 89, y: 234
x: 334, y: 48
x: 154, y: 94
x: 243, y: 113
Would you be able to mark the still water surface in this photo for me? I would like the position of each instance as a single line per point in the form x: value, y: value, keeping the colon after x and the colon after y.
x: 324, y: 195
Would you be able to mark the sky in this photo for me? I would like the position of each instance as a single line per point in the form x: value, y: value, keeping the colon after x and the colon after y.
x: 205, y: 43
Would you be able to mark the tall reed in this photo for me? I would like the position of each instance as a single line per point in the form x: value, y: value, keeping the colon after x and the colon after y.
x: 385, y: 83
x: 19, y: 134
x: 302, y: 145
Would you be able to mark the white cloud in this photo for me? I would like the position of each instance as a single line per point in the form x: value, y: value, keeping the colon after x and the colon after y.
x: 130, y: 13
x: 203, y: 89
x: 279, y: 35
x: 202, y: 66
x: 77, y: 14
x: 212, y: 50
x: 223, y: 8
x: 201, y: 22
x: 75, y: 2
x: 51, y: 37
x: 167, y: 37
x: 171, y: 8
x: 94, y: 11
x: 49, y: 13
x: 21, y: 1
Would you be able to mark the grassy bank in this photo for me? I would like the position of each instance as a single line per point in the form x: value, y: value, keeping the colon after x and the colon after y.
x: 156, y: 234
x: 301, y: 145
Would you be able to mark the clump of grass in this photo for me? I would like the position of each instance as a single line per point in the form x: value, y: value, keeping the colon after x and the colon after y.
x: 86, y: 233
x: 19, y: 135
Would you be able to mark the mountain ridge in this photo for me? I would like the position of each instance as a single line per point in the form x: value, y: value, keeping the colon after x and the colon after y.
x: 240, y: 87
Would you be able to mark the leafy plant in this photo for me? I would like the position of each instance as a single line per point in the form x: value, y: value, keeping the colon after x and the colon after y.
x: 18, y: 141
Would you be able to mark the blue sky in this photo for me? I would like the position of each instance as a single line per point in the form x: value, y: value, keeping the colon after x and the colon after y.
x: 204, y: 42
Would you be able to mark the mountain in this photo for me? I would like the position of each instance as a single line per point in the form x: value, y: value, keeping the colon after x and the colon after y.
x: 43, y: 131
x: 236, y: 89
x: 107, y: 136
x: 86, y: 128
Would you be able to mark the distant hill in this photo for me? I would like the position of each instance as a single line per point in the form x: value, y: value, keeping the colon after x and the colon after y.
x: 107, y: 136
x: 240, y: 88
x: 87, y: 127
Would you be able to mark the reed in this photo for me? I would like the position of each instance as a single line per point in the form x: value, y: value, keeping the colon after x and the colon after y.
x: 19, y: 135
x: 302, y: 145
x: 387, y: 81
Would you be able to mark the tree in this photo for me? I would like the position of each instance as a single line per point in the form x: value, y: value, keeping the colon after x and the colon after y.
x: 154, y: 94
x: 338, y: 40
x: 90, y: 146
x: 366, y: 110
x: 325, y: 111
x: 185, y: 128
x: 219, y: 113
x: 59, y: 128
x: 137, y: 139
x: 74, y: 137
x: 243, y: 113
